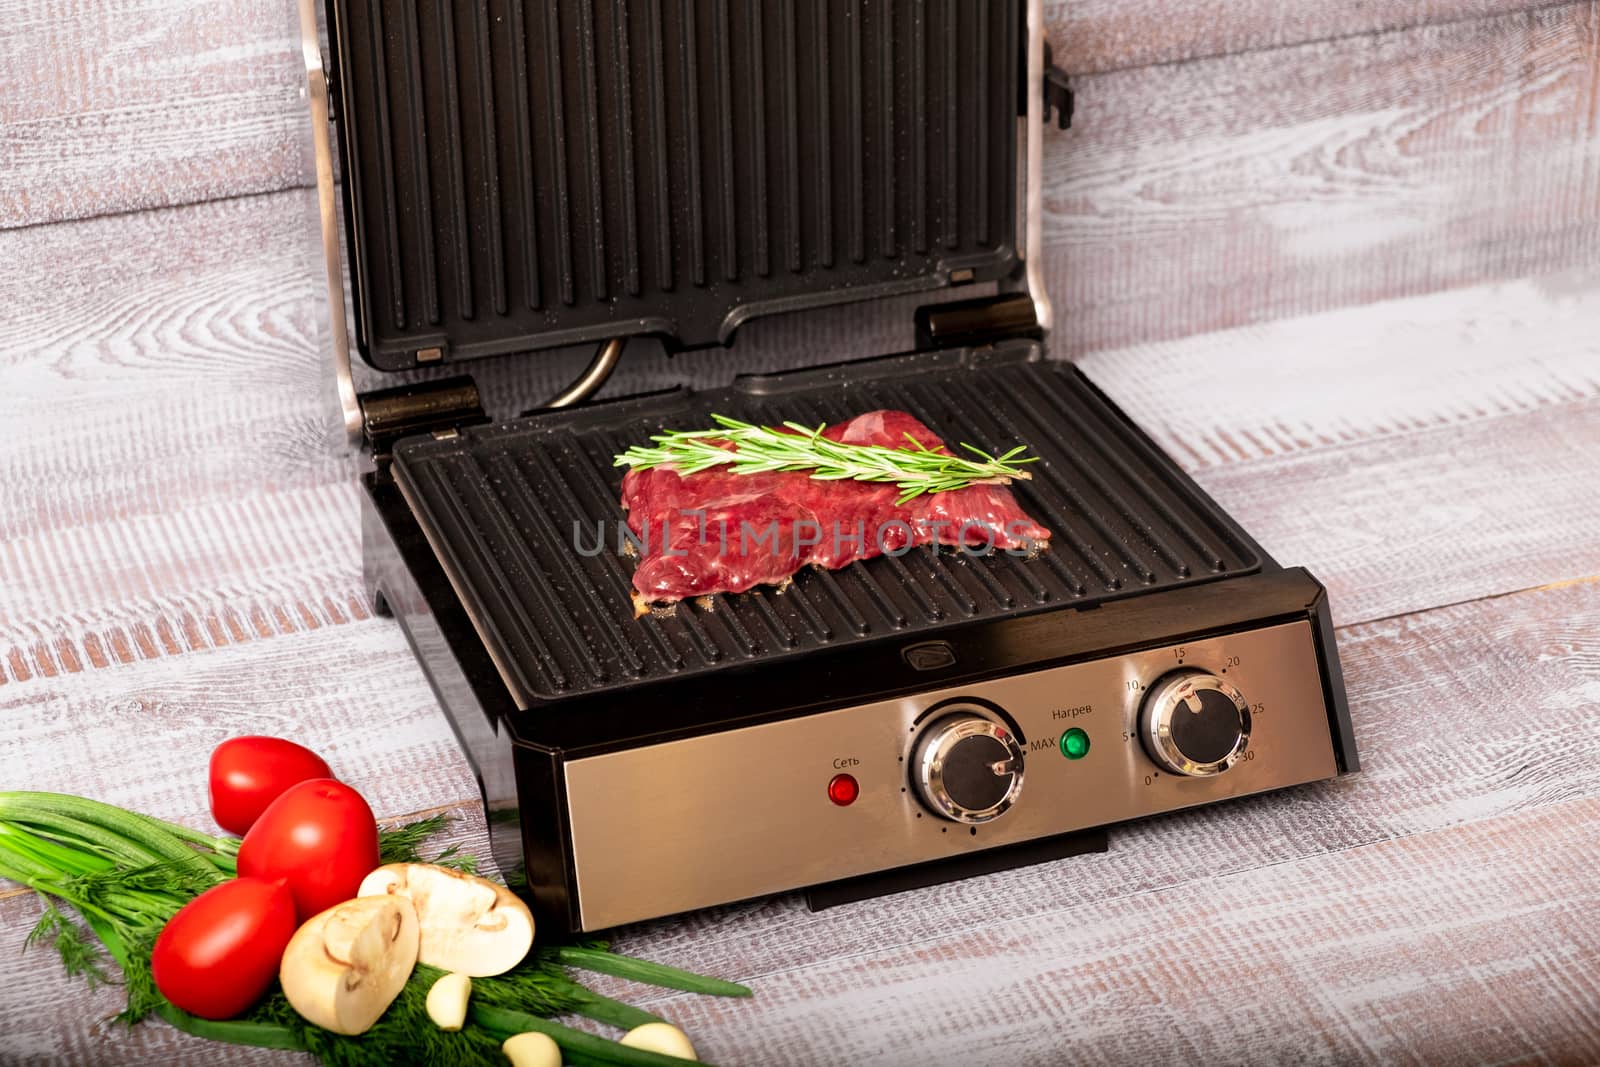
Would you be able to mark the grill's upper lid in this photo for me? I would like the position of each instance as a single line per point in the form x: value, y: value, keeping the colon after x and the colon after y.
x: 521, y: 174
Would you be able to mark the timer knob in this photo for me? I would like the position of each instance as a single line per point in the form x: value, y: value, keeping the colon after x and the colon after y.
x: 1195, y: 723
x: 967, y: 768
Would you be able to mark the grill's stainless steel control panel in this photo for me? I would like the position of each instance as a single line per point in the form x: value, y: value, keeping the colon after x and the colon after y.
x: 742, y: 813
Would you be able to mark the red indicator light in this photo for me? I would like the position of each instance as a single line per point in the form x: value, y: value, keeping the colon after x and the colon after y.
x: 843, y: 790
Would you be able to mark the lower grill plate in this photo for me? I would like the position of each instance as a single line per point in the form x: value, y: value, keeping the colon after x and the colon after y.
x: 507, y: 507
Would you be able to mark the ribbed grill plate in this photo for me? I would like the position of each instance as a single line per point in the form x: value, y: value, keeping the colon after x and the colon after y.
x: 506, y: 505
x: 523, y: 174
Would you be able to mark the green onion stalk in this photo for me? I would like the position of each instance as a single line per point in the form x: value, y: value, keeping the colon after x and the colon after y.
x: 127, y: 874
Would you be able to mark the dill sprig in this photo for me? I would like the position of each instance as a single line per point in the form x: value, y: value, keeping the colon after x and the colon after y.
x: 403, y: 844
x: 80, y: 956
x: 144, y: 999
x: 168, y: 878
x: 404, y: 1035
x: 748, y: 449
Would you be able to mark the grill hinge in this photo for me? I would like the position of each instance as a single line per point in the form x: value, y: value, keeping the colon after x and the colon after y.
x: 1057, y: 92
x: 447, y: 404
x: 973, y: 323
x: 1054, y: 87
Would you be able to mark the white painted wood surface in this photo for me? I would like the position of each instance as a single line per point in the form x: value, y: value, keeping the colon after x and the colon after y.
x: 1430, y: 948
x: 1402, y: 497
x: 130, y: 104
x: 1092, y: 36
x: 179, y: 559
x: 229, y: 515
x: 1317, y: 156
x: 1229, y: 191
x: 118, y: 105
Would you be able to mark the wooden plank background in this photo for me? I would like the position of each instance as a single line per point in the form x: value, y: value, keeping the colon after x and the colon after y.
x: 127, y: 104
x: 1092, y: 36
x: 1328, y: 154
x: 117, y: 105
x: 1372, y: 463
x: 1340, y: 259
x: 234, y: 517
x: 1233, y: 190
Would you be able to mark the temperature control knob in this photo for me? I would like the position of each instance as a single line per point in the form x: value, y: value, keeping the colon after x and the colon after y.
x: 967, y: 768
x: 1195, y: 723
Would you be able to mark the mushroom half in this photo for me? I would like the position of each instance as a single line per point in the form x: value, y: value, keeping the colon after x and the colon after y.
x: 468, y: 924
x: 344, y: 966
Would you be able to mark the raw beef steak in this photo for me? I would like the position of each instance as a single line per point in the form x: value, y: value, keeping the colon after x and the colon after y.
x: 720, y: 532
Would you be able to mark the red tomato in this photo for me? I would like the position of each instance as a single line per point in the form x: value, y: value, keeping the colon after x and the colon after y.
x: 248, y: 773
x: 320, y: 837
x: 222, y: 950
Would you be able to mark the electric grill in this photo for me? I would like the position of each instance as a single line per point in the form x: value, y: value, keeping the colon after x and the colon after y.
x: 522, y: 175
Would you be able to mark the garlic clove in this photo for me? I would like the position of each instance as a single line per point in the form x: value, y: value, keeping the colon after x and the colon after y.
x: 532, y: 1050
x: 447, y: 1001
x: 660, y: 1037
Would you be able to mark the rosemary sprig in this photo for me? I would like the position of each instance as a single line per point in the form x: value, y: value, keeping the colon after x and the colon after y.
x: 749, y: 449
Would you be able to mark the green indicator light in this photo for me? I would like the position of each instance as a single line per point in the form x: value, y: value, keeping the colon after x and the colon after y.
x: 1074, y: 744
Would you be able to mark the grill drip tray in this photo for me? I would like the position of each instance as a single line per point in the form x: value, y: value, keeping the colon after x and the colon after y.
x: 506, y: 508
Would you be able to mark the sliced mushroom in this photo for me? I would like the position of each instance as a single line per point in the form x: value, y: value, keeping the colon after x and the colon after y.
x: 344, y: 966
x: 469, y: 924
